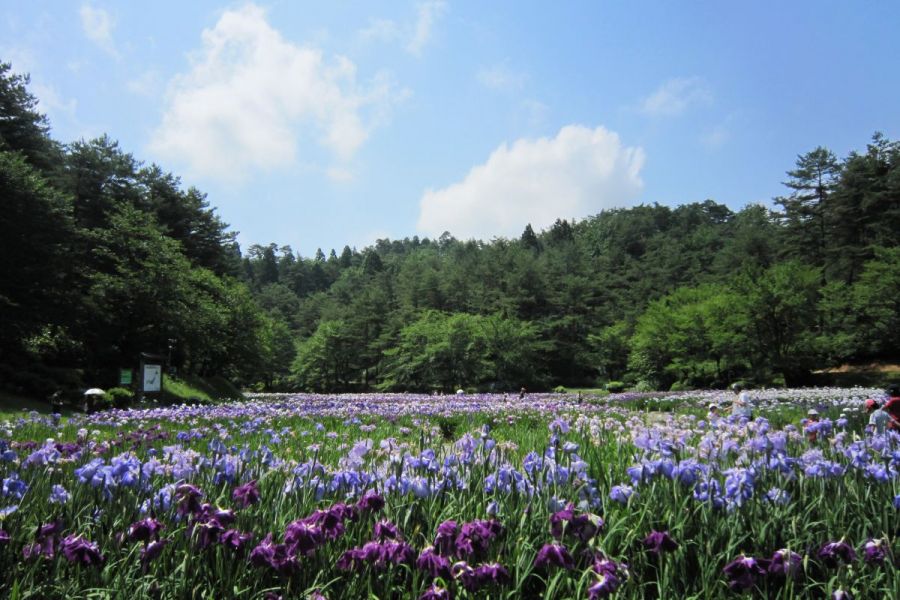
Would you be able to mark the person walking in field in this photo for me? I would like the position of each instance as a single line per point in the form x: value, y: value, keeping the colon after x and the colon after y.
x: 741, y: 405
x: 811, y: 428
x: 892, y: 406
x: 878, y: 417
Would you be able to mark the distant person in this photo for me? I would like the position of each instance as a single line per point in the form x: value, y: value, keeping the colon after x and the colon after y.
x: 522, y: 393
x: 879, y: 419
x: 740, y: 406
x: 713, y: 414
x: 460, y: 392
x: 892, y: 405
x: 56, y: 401
x: 812, y: 430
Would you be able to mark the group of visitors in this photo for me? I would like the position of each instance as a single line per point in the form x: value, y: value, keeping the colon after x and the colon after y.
x: 884, y: 413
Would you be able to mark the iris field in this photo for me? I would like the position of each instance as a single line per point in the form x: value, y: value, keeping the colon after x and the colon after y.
x: 478, y: 496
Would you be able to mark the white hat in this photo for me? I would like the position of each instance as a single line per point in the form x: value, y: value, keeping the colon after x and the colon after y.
x: 713, y: 407
x: 813, y: 412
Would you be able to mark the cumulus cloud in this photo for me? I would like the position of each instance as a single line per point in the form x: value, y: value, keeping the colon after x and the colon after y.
x: 251, y: 95
x: 428, y: 14
x: 675, y: 96
x: 98, y: 26
x: 579, y: 172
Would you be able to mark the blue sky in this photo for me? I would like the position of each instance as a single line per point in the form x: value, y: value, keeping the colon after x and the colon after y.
x: 331, y: 123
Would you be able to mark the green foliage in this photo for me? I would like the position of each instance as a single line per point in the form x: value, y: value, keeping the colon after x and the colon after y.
x: 119, y: 397
x: 614, y: 387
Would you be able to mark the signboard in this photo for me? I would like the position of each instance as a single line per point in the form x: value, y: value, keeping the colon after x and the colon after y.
x: 125, y: 377
x: 152, y: 378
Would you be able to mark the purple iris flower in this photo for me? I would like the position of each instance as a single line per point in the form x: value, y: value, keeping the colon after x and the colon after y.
x: 554, y: 555
x: 272, y: 555
x: 785, y: 564
x: 621, y: 493
x: 302, y: 537
x: 435, y: 592
x: 475, y: 537
x: 208, y: 532
x: 4, y: 537
x: 235, y: 540
x: 841, y: 595
x: 658, y: 542
x: 742, y: 573
x: 152, y: 550
x: 444, y: 539
x: 834, y: 553
x: 603, y: 586
x: 188, y: 497
x: 247, y: 494
x: 491, y: 573
x: 371, y: 501
x: 76, y: 549
x: 874, y: 551
x: 59, y: 495
x: 385, y: 530
x: 433, y: 563
x: 144, y: 530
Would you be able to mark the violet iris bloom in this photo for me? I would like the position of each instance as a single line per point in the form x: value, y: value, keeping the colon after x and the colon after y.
x: 246, y: 494
x: 144, y: 530
x: 874, y: 552
x: 435, y: 592
x: 4, y: 537
x: 371, y: 501
x: 235, y: 540
x: 445, y: 538
x: 658, y: 542
x: 742, y: 573
x: 385, y: 530
x: 555, y: 555
x: 152, y: 550
x: 834, y: 553
x: 76, y: 549
x: 432, y: 563
x: 303, y: 538
x: 785, y: 564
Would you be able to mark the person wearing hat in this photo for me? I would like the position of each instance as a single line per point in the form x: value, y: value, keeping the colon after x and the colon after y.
x: 878, y: 417
x: 892, y: 406
x: 713, y: 414
x: 812, y: 432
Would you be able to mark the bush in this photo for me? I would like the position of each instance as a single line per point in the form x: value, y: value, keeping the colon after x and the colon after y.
x: 560, y: 389
x: 119, y: 396
x: 644, y: 386
x: 680, y: 386
x: 614, y: 387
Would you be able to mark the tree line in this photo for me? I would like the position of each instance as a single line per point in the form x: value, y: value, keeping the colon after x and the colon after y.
x: 106, y: 257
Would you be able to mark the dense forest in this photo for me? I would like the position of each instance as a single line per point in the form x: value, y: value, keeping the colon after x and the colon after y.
x: 105, y: 257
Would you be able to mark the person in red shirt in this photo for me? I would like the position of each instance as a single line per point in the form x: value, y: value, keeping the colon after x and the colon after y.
x: 892, y: 405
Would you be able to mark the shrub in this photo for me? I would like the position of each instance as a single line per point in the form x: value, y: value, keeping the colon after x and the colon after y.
x: 680, y: 386
x: 560, y: 389
x: 119, y: 396
x: 614, y: 387
x: 644, y: 386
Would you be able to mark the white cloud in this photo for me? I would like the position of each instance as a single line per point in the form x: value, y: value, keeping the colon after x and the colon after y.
x: 98, y: 25
x: 250, y: 96
x: 579, y: 172
x: 428, y: 14
x: 675, y: 96
x: 501, y: 78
